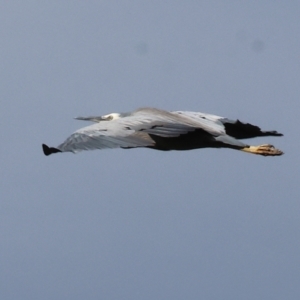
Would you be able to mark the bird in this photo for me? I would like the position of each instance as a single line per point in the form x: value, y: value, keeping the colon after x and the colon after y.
x: 164, y: 130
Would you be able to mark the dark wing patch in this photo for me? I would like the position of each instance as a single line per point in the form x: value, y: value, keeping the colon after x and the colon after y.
x: 241, y: 130
x: 49, y: 150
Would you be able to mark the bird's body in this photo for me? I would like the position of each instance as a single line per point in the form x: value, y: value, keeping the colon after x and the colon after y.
x: 163, y: 130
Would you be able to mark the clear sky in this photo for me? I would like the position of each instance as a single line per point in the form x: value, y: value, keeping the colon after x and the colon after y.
x: 143, y: 224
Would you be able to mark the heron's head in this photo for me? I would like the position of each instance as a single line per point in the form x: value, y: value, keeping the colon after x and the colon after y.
x: 111, y: 117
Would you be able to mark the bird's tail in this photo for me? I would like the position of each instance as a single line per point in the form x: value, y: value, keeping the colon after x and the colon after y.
x: 49, y: 150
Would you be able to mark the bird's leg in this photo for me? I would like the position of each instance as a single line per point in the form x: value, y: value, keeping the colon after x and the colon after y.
x: 266, y: 150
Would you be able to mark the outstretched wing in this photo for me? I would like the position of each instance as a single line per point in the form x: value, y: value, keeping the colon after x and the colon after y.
x: 110, y: 134
x: 207, y: 121
x: 135, y: 130
x: 233, y: 128
x: 183, y: 121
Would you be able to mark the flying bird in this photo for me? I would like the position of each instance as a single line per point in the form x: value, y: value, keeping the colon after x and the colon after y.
x: 162, y: 130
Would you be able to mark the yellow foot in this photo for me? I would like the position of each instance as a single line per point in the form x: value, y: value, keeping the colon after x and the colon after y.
x: 266, y: 150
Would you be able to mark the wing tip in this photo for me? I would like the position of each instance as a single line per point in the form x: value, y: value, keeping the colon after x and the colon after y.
x: 49, y: 150
x: 272, y: 133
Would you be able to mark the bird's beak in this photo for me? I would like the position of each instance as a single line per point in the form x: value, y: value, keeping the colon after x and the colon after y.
x: 92, y: 119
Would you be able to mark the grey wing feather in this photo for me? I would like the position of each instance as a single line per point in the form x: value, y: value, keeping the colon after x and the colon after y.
x: 210, y: 123
x: 172, y: 124
x: 218, y: 123
x: 233, y: 128
x: 104, y: 135
x: 135, y: 130
x: 158, y: 122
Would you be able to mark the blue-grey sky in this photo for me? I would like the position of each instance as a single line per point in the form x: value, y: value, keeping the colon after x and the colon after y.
x: 144, y: 224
